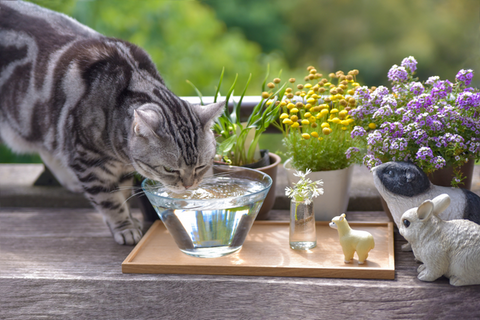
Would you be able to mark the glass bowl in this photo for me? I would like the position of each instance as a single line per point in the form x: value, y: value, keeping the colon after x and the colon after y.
x: 213, y: 219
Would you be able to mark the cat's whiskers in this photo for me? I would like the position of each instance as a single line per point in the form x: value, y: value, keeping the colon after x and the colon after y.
x: 141, y: 193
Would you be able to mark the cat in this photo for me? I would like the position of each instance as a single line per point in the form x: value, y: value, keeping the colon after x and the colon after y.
x: 96, y: 110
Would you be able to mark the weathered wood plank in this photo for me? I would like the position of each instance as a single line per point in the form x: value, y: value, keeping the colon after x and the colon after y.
x: 216, y: 299
x: 63, y: 263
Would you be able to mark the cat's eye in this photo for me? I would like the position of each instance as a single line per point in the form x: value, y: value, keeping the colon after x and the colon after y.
x: 406, y: 223
x: 168, y: 169
x: 200, y: 167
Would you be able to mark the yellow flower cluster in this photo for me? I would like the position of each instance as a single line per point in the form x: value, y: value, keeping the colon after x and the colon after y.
x: 318, y: 107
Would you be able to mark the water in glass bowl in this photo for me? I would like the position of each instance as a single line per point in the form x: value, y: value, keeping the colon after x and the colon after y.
x: 212, y: 220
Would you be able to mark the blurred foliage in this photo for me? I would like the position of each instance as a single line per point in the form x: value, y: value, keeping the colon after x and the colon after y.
x: 184, y: 39
x: 261, y: 21
x: 369, y: 35
x: 7, y: 156
x: 195, y: 39
x: 63, y: 6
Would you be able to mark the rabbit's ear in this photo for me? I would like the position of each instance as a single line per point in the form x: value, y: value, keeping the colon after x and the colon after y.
x: 440, y: 203
x: 425, y: 210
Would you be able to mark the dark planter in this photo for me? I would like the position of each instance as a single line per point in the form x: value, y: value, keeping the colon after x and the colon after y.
x: 263, y: 162
x: 443, y: 177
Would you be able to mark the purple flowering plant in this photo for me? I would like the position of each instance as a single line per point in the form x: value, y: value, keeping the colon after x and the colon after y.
x: 433, y: 123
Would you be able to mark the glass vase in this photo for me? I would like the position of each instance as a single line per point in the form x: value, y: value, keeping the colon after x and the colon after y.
x: 303, y: 235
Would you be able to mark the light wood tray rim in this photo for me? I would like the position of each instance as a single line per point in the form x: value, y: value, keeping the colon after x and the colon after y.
x: 135, y: 264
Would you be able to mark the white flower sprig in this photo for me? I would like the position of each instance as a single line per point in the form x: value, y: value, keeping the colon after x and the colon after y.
x: 305, y: 189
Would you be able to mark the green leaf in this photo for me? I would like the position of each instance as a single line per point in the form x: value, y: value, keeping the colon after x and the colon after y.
x: 226, y: 145
x: 227, y: 98
x: 199, y: 94
x: 255, y: 112
x: 253, y: 146
x: 237, y: 107
x: 218, y: 87
x: 266, y: 78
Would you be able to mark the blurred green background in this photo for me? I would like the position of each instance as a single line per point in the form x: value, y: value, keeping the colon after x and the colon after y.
x: 194, y: 40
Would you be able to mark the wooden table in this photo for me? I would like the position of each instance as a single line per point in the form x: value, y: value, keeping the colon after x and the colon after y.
x: 63, y: 264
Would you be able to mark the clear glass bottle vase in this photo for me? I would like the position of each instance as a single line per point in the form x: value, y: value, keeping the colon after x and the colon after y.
x: 303, y: 235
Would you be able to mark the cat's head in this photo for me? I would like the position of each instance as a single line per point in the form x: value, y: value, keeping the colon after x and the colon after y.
x: 174, y: 146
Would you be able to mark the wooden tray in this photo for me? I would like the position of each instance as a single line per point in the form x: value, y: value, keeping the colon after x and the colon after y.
x: 266, y: 252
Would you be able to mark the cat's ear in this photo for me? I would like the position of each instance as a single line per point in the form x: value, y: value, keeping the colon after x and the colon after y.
x: 145, y: 122
x: 209, y: 113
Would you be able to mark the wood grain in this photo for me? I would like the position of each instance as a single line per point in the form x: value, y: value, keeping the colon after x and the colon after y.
x: 266, y: 252
x: 58, y: 263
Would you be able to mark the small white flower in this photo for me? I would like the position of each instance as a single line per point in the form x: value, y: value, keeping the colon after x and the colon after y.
x: 304, y: 189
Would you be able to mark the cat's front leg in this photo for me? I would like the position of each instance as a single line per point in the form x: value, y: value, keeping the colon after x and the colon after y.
x: 112, y: 205
x: 64, y: 175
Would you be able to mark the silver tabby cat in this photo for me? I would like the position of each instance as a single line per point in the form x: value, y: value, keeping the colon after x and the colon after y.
x: 96, y: 110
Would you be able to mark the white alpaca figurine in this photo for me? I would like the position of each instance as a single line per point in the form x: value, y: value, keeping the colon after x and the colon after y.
x: 446, y: 248
x: 352, y: 240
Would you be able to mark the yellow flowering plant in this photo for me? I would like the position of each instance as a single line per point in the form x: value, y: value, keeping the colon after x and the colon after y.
x: 315, y: 120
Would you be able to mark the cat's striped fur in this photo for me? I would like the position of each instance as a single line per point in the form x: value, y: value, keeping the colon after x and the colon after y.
x: 96, y: 110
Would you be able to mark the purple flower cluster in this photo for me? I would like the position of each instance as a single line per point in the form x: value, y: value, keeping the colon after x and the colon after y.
x: 410, y: 64
x: 416, y: 88
x: 397, y: 74
x: 350, y: 151
x: 441, y: 89
x: 423, y: 153
x: 433, y: 124
x: 467, y: 100
x: 358, y: 131
x: 465, y: 76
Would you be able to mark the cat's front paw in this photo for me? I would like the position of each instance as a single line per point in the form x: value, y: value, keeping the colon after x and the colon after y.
x: 128, y: 235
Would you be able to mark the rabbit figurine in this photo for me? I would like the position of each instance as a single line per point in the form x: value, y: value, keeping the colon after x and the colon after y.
x: 446, y: 248
x: 403, y: 185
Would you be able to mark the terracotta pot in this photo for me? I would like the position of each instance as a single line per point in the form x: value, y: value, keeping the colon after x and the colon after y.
x: 336, y: 191
x: 443, y: 177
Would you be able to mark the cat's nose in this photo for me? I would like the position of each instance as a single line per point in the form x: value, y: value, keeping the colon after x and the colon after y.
x: 187, y: 187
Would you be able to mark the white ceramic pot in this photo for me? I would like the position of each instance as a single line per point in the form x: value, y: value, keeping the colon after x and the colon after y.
x: 336, y: 190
